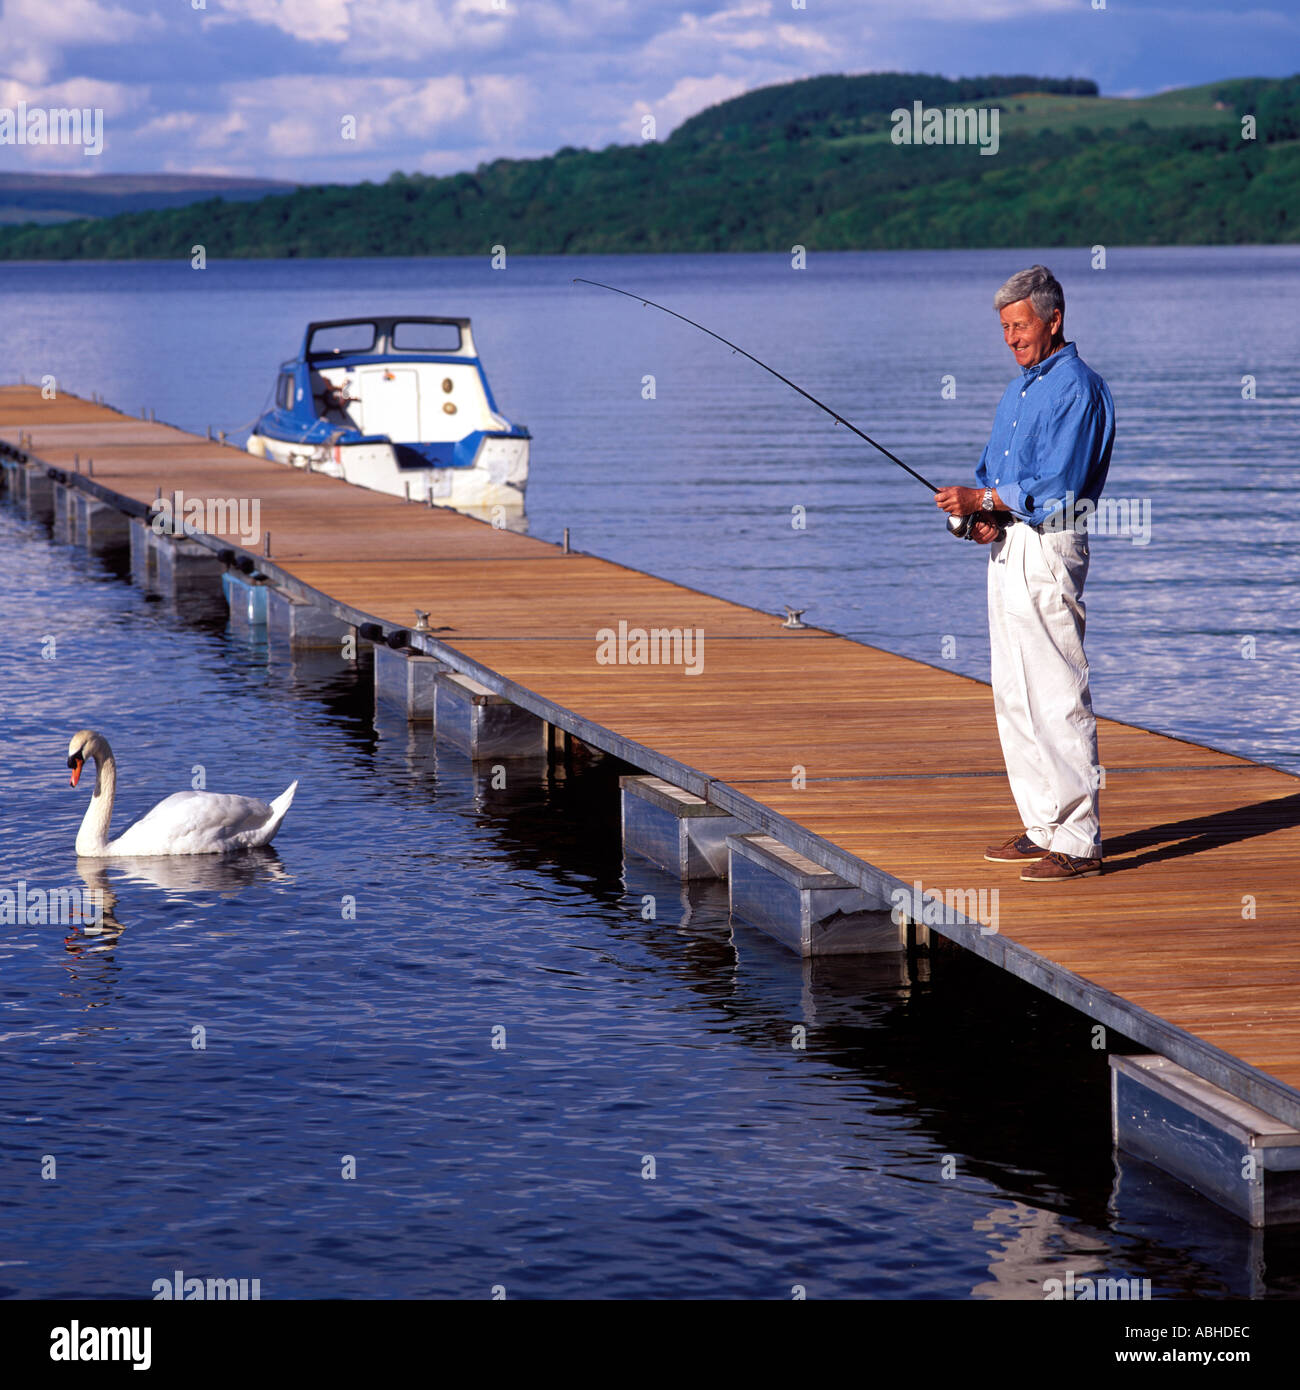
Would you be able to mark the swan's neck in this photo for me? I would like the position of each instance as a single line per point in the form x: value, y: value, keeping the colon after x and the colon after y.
x: 92, y: 838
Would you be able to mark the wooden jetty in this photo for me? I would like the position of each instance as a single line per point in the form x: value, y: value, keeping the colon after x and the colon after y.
x: 869, y: 769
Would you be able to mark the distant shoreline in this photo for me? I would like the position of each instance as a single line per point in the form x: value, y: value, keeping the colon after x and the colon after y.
x: 1026, y: 248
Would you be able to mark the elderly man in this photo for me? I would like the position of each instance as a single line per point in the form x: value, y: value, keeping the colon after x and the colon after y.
x: 1050, y: 449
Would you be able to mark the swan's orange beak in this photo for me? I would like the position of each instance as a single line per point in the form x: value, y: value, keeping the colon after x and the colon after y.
x: 76, y: 764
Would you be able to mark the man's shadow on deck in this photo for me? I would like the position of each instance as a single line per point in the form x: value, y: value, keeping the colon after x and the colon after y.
x: 1200, y: 833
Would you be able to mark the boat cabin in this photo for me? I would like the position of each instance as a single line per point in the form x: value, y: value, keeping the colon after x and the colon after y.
x: 405, y: 379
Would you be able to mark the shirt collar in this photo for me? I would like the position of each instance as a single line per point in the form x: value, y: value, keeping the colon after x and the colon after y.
x: 1069, y: 350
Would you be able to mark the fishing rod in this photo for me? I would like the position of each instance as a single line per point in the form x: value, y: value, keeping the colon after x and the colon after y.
x: 959, y: 526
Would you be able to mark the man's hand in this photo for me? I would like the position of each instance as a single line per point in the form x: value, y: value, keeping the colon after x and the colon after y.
x: 983, y: 531
x: 960, y: 501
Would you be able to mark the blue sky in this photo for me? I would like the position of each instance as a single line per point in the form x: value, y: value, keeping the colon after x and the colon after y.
x: 263, y: 86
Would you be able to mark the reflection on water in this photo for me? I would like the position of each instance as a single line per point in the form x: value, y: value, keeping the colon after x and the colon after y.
x: 179, y: 876
x: 1031, y: 1245
x: 189, y: 873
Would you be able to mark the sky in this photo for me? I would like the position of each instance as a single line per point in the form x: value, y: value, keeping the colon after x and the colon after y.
x: 267, y: 87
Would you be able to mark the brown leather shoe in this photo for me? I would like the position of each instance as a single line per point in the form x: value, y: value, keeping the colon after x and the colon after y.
x: 1060, y: 868
x: 1015, y: 850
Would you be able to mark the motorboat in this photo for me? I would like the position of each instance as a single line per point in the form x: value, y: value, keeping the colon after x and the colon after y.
x: 400, y: 404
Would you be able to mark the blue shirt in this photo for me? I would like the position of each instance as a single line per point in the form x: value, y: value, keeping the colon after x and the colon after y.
x: 1052, y: 436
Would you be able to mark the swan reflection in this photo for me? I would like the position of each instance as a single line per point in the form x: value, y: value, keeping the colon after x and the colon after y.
x: 189, y: 873
x: 177, y: 876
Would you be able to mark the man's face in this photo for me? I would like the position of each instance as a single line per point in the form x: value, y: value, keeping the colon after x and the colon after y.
x: 1028, y: 337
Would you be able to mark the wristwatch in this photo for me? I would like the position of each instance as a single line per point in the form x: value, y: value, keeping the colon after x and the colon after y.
x: 988, y: 499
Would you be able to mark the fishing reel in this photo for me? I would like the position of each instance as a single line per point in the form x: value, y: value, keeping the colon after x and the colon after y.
x: 962, y: 527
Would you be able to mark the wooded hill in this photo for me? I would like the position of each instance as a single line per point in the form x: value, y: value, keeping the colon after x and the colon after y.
x: 809, y: 162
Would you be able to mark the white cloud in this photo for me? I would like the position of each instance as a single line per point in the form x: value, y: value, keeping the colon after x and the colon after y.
x: 810, y: 40
x: 981, y: 11
x: 314, y: 21
x: 294, y: 128
x: 33, y: 33
x: 685, y: 98
x: 740, y: 33
x: 199, y: 130
x: 113, y: 98
x: 117, y: 102
x: 217, y: 169
x: 506, y: 110
x: 367, y: 32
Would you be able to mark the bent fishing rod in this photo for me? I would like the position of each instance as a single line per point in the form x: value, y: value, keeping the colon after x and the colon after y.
x: 958, y: 526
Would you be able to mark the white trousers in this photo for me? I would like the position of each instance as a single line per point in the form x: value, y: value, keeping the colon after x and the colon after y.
x: 1040, y: 685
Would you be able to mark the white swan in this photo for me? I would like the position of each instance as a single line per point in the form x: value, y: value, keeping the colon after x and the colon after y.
x: 184, y: 823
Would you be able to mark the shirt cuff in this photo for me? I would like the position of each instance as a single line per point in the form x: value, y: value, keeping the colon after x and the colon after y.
x: 1013, y: 498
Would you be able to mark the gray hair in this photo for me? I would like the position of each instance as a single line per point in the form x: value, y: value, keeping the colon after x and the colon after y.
x: 1039, y: 286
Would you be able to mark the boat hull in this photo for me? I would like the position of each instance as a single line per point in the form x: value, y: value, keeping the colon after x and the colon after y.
x: 497, y: 477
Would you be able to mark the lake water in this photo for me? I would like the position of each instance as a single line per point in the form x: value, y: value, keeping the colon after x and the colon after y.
x: 939, y: 1136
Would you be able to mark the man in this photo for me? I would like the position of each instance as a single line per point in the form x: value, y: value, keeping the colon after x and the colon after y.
x: 1049, y: 449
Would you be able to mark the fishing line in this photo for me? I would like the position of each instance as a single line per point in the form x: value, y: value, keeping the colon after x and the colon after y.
x: 957, y: 525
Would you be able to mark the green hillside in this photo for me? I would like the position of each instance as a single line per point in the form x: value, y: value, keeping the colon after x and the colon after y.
x: 809, y: 162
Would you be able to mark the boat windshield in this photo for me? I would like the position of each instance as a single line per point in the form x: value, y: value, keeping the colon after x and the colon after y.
x: 362, y: 337
x: 335, y: 339
x: 414, y: 336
